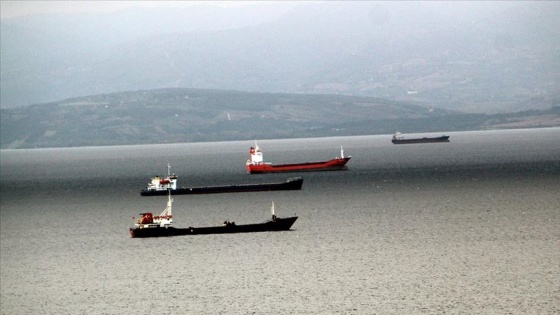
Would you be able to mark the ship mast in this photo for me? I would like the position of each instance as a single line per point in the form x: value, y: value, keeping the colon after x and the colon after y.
x: 167, y: 211
x: 341, y: 152
x: 169, y: 203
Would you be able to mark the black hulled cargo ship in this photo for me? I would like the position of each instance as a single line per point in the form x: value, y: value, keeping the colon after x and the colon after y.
x: 157, y: 226
x: 398, y: 138
x: 159, y: 186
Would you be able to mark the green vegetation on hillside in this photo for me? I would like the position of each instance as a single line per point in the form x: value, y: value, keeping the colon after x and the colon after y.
x: 194, y: 115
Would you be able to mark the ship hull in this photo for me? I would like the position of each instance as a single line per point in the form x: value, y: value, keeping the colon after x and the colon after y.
x: 337, y: 164
x: 289, y: 184
x: 279, y: 224
x: 421, y: 140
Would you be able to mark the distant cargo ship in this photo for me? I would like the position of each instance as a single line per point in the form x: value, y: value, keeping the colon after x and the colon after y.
x: 255, y: 164
x: 149, y: 225
x: 159, y: 186
x: 398, y: 138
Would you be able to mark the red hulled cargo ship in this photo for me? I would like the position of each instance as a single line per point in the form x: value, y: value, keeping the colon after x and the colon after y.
x: 256, y: 165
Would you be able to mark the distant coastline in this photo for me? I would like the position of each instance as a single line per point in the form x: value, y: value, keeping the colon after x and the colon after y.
x: 195, y: 115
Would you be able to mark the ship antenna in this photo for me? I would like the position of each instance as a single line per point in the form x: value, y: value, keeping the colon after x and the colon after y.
x: 168, y: 170
x: 272, y: 210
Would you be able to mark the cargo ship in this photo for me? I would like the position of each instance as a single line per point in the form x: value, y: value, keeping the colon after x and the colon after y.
x: 256, y: 165
x: 398, y: 138
x: 149, y: 225
x: 159, y: 186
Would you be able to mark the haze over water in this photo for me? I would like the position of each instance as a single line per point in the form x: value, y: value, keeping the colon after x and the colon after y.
x: 469, y: 226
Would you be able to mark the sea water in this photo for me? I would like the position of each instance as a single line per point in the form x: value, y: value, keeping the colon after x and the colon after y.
x: 469, y: 226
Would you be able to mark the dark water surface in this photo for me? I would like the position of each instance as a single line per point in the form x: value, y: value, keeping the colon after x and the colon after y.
x: 470, y: 226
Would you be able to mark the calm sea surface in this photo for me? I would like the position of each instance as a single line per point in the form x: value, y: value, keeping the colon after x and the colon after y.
x: 471, y: 226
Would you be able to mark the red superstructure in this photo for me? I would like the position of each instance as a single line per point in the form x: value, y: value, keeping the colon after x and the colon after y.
x: 256, y: 165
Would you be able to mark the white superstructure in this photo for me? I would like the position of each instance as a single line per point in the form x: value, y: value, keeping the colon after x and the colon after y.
x: 164, y: 220
x: 158, y: 183
x: 255, y: 156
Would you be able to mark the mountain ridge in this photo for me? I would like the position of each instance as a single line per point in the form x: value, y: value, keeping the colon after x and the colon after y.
x: 474, y: 57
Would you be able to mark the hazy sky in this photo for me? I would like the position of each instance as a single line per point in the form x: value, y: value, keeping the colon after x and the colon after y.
x: 21, y: 8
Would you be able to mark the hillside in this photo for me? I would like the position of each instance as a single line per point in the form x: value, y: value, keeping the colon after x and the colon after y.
x: 196, y: 115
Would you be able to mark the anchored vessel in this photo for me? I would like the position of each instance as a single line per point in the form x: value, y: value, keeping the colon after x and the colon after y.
x: 162, y: 225
x: 256, y: 165
x: 398, y: 138
x: 159, y: 186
